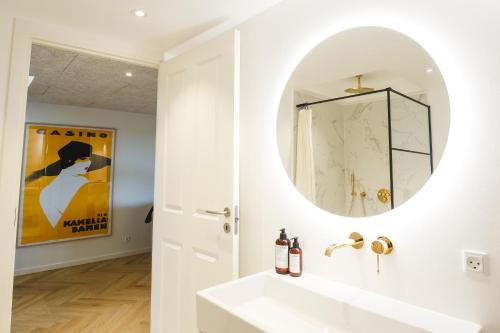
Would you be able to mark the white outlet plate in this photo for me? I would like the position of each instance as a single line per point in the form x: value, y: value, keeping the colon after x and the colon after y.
x: 474, y: 261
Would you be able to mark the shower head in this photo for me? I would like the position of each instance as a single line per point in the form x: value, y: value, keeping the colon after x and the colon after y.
x: 359, y: 89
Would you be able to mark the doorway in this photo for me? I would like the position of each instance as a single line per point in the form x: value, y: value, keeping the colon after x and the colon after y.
x: 83, y: 247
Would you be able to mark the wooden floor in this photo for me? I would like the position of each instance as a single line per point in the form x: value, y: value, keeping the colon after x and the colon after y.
x: 108, y: 296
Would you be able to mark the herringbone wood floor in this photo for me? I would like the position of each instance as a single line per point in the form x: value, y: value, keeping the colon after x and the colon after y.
x: 108, y: 296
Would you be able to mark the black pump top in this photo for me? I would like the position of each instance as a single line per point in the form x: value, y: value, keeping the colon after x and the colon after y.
x: 296, y: 244
x: 283, y: 234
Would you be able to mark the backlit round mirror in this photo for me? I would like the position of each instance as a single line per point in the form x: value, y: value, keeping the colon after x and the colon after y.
x: 363, y: 122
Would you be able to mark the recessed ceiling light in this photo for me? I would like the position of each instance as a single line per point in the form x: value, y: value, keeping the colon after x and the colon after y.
x: 129, y: 74
x: 30, y: 79
x: 138, y: 12
x: 429, y: 70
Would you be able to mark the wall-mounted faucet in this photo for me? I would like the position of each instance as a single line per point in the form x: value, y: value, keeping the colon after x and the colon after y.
x: 355, y: 240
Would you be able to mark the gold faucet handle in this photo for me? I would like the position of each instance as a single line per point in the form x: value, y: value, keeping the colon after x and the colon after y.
x: 382, y: 246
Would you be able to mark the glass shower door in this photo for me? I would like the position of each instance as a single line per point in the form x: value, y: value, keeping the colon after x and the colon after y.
x: 411, y: 145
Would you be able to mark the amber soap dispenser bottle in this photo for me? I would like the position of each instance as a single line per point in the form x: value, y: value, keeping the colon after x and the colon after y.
x: 295, y: 258
x: 281, y: 253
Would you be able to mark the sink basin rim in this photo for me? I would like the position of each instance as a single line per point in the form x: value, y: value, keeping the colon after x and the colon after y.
x: 408, y: 314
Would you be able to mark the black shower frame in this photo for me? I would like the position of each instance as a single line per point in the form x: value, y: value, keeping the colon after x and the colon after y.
x: 388, y: 90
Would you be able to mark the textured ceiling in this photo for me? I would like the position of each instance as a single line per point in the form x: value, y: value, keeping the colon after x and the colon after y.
x: 71, y: 78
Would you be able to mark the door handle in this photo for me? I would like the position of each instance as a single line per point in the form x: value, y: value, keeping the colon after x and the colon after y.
x: 226, y: 212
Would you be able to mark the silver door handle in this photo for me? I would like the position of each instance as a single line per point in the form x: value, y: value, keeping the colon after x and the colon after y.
x: 226, y: 212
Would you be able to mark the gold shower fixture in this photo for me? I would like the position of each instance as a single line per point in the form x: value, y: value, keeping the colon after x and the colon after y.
x: 359, y: 89
x: 384, y: 195
x: 353, y: 185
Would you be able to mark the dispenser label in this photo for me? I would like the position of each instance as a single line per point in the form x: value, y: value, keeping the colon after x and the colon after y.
x: 282, y: 256
x: 295, y: 263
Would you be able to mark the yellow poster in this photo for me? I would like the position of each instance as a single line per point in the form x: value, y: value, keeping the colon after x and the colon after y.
x: 67, y: 184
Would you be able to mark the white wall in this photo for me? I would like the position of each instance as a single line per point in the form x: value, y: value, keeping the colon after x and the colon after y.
x: 132, y: 187
x: 6, y: 23
x: 456, y: 209
x: 7, y: 241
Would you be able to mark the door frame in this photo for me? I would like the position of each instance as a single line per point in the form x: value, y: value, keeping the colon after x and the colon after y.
x: 12, y: 123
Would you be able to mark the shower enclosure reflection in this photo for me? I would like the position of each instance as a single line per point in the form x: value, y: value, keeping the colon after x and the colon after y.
x: 362, y: 144
x: 368, y: 151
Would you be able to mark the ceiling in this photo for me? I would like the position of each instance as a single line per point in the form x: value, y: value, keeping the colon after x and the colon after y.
x: 167, y: 24
x: 385, y: 58
x: 70, y: 78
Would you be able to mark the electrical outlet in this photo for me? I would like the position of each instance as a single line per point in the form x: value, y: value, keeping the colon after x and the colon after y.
x: 127, y: 238
x: 474, y: 261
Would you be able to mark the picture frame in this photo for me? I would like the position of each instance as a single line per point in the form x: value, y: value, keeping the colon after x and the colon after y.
x: 67, y: 184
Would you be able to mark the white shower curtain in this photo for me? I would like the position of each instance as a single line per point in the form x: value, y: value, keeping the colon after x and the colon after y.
x: 305, y: 180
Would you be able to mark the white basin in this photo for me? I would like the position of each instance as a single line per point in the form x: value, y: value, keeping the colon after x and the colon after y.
x: 268, y: 302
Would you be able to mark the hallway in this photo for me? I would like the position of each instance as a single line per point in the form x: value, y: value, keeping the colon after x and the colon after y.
x: 107, y: 296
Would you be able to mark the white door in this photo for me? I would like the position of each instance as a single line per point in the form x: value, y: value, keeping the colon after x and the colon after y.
x: 195, y: 246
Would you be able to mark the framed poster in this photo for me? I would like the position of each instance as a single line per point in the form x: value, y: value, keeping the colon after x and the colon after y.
x: 66, y: 190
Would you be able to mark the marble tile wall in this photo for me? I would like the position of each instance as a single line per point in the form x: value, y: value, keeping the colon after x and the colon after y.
x: 328, y: 142
x: 410, y: 131
x: 411, y: 172
x: 409, y: 124
x: 366, y: 155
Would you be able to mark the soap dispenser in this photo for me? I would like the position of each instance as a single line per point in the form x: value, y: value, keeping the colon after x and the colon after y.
x: 295, y: 258
x: 281, y: 253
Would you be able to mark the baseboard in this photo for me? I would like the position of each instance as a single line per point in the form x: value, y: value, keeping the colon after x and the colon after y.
x: 69, y: 263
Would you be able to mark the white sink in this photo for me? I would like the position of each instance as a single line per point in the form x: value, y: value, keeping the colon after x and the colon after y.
x: 268, y: 302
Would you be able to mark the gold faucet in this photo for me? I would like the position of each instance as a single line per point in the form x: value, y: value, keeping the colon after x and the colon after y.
x: 355, y: 240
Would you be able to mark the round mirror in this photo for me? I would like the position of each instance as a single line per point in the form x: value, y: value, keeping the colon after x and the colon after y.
x: 363, y: 122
